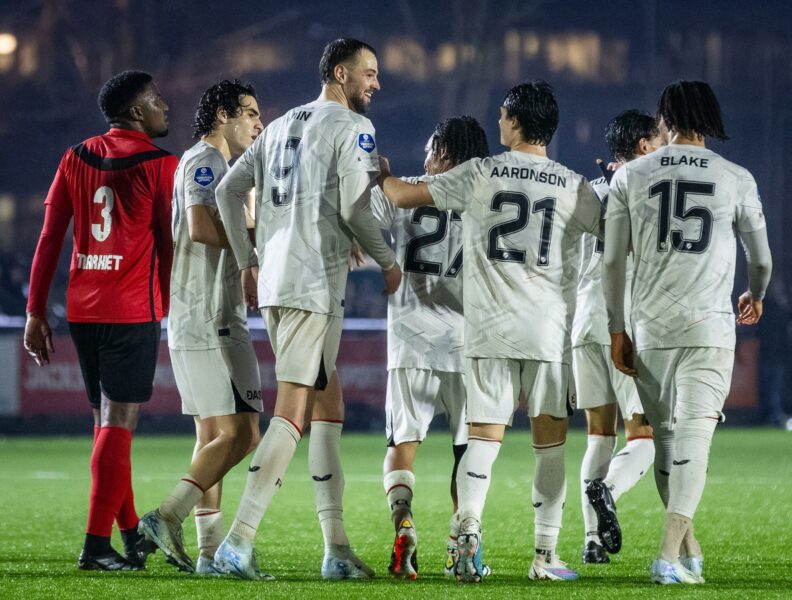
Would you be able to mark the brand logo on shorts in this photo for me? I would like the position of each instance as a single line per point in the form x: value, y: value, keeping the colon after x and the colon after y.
x: 204, y: 176
x: 327, y: 477
x: 476, y: 475
x: 366, y: 142
x: 253, y: 395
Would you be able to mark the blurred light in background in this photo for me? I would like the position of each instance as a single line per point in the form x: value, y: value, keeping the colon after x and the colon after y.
x: 8, y: 43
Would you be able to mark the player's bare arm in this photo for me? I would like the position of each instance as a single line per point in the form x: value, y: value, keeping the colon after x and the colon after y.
x: 206, y: 228
x: 760, y: 266
x: 623, y: 354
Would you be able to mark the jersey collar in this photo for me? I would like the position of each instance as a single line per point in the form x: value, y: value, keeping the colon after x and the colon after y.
x: 128, y: 133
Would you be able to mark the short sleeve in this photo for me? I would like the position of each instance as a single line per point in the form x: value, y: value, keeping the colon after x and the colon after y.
x: 588, y: 209
x: 384, y: 212
x: 749, y: 215
x: 202, y: 173
x: 356, y: 148
x: 617, y: 197
x: 453, y: 189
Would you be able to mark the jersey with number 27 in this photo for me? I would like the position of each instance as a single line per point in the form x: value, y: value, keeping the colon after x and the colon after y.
x: 425, y: 321
x: 684, y: 204
x: 522, y: 218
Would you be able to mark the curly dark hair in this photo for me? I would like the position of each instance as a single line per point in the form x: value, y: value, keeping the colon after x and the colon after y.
x: 226, y: 95
x: 459, y: 139
x: 534, y: 106
x: 119, y: 93
x: 625, y: 130
x: 338, y: 51
x: 691, y: 108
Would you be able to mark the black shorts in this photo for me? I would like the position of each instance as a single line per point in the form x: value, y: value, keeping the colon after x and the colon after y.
x: 117, y: 360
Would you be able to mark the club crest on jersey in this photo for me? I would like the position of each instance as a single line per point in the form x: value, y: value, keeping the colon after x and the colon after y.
x: 366, y: 142
x: 203, y: 176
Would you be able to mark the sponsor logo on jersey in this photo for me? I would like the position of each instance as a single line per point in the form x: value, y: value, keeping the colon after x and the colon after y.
x: 366, y: 142
x: 203, y: 176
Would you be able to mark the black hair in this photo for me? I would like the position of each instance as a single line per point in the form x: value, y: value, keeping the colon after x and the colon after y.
x: 534, y: 106
x: 337, y: 52
x: 226, y: 95
x: 459, y: 139
x: 625, y: 130
x: 691, y: 108
x: 119, y: 92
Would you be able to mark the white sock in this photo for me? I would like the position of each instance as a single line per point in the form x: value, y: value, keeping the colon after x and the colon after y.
x: 210, y: 530
x: 629, y: 465
x: 265, y: 475
x: 324, y: 464
x: 178, y: 504
x: 548, y: 495
x: 664, y: 455
x: 399, y: 489
x: 474, y: 476
x: 693, y: 438
x: 594, y: 466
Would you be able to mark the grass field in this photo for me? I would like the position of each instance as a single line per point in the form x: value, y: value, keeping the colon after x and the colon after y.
x: 744, y: 524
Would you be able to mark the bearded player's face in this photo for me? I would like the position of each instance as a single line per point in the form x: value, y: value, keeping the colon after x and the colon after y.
x: 361, y: 81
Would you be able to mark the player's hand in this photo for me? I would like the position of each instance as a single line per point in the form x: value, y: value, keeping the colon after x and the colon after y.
x: 356, y: 255
x: 392, y: 277
x: 622, y: 353
x: 749, y: 309
x: 38, y: 339
x: 385, y: 171
x: 250, y: 287
x: 609, y: 169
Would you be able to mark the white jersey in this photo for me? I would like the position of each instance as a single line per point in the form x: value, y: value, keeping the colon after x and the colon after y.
x: 425, y: 322
x: 591, y: 316
x: 684, y: 204
x: 206, y: 306
x: 297, y: 164
x: 522, y: 218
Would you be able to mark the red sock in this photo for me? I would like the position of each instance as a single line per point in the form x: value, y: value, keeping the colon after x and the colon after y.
x: 127, y: 515
x: 110, y: 477
x: 97, y: 429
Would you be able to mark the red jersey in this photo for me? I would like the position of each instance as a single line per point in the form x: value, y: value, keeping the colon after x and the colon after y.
x: 118, y: 188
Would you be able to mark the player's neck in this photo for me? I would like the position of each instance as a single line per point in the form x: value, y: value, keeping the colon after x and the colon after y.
x: 217, y: 140
x: 677, y: 137
x: 527, y: 148
x: 334, y: 93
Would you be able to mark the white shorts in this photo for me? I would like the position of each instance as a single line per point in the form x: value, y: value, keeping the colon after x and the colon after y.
x: 415, y: 396
x: 598, y: 382
x: 305, y: 344
x: 683, y: 383
x: 218, y: 382
x: 494, y: 386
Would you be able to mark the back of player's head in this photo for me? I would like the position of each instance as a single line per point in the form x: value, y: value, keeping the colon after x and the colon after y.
x: 119, y: 92
x: 625, y: 130
x: 459, y: 139
x: 534, y: 106
x: 226, y: 95
x: 340, y: 51
x: 691, y: 108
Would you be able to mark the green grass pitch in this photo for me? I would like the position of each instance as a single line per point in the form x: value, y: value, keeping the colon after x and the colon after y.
x: 744, y: 524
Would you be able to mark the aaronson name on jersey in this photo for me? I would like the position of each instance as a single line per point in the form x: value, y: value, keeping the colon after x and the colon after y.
x: 99, y: 262
x: 526, y: 173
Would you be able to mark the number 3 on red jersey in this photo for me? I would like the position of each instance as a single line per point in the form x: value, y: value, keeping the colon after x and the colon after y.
x: 104, y: 195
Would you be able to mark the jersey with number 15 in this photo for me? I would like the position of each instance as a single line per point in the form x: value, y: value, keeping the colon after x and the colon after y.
x: 684, y: 204
x: 118, y: 188
x: 522, y: 219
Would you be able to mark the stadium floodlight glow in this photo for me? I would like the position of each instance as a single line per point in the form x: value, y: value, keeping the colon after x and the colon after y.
x: 8, y: 43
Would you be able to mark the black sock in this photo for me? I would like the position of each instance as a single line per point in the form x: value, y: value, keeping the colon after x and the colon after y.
x: 130, y: 538
x: 96, y: 545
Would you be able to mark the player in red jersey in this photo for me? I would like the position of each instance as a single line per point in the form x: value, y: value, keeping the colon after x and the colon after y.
x: 117, y: 189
